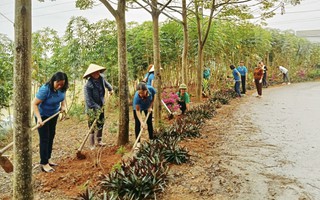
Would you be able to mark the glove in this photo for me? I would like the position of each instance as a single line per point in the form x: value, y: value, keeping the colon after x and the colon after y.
x: 260, y: 81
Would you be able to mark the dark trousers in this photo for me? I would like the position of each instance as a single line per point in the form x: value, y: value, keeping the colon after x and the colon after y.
x: 46, y: 135
x: 243, y: 84
x: 137, y: 124
x: 237, y: 88
x: 258, y: 86
x: 100, y: 122
x: 286, y: 77
x: 183, y: 106
x: 264, y: 79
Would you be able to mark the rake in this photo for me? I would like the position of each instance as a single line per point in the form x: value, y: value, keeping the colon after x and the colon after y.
x: 4, y: 160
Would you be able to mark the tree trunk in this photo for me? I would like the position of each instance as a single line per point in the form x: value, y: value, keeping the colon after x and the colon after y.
x: 156, y: 51
x: 123, y: 137
x: 22, y: 179
x: 199, y: 66
x: 185, y: 43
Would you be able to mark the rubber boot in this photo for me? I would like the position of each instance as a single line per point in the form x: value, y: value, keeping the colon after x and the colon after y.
x: 99, y: 138
x: 91, y: 140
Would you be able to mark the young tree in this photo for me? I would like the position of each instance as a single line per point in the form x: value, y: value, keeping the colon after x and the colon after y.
x: 155, y: 9
x: 119, y: 15
x: 185, y: 43
x: 22, y: 179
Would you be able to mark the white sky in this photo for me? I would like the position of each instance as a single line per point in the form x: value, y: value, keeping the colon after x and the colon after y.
x: 57, y: 14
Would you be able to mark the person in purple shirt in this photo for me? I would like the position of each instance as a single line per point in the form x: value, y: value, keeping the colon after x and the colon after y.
x: 49, y: 100
x: 142, y: 102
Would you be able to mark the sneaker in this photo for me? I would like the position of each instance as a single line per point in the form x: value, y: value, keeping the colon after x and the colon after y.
x: 289, y: 83
x: 92, y: 147
x: 101, y: 144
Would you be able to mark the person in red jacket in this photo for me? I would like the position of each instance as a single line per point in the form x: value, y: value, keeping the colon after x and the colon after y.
x: 258, y: 75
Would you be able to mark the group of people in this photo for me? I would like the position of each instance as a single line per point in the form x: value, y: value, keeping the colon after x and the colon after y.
x: 240, y: 75
x: 51, y: 99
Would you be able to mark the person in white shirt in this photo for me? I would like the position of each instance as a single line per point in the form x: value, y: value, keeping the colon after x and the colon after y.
x: 285, y: 74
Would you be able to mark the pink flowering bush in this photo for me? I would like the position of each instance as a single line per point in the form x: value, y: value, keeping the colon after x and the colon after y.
x: 171, y: 100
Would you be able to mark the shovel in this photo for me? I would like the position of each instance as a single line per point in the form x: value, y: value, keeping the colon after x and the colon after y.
x: 140, y: 133
x: 4, y: 160
x: 169, y: 111
x: 81, y: 156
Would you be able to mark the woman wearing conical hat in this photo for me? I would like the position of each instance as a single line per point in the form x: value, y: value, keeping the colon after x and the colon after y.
x: 94, y: 91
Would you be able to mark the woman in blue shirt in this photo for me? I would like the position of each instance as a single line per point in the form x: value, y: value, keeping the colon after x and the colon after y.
x: 242, y: 69
x: 237, y: 80
x: 149, y: 77
x: 48, y: 101
x: 143, y: 102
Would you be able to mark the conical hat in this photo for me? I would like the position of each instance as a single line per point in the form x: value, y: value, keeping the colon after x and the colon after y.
x: 93, y: 68
x: 152, y: 68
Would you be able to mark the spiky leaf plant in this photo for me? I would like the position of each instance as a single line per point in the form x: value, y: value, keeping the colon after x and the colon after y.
x: 87, y: 195
x: 185, y: 129
x: 173, y: 153
x: 223, y: 96
x: 137, y: 179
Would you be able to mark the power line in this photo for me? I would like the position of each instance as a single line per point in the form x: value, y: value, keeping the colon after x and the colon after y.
x: 53, y: 13
x: 303, y: 11
x: 6, y: 18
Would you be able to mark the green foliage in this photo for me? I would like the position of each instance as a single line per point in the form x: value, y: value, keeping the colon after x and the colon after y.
x: 140, y: 49
x: 116, y: 166
x: 314, y: 74
x: 6, y: 71
x: 45, y: 43
x: 77, y: 111
x: 84, y: 4
x: 121, y: 150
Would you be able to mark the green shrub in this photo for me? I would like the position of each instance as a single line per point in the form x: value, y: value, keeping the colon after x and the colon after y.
x: 77, y: 111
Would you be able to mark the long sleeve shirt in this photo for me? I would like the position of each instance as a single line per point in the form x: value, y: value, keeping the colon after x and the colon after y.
x: 94, y: 92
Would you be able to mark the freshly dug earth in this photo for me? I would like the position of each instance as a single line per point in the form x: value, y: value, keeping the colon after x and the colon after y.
x: 203, y: 178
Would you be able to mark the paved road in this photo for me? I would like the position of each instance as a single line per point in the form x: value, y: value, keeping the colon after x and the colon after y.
x: 279, y: 136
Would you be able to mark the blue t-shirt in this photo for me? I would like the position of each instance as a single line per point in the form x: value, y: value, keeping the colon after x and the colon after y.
x: 50, y: 100
x: 206, y: 73
x: 235, y: 75
x: 242, y: 70
x: 144, y: 103
x: 150, y: 78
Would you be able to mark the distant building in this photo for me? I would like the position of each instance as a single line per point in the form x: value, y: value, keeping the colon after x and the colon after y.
x: 311, y: 35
